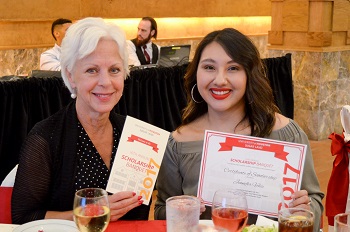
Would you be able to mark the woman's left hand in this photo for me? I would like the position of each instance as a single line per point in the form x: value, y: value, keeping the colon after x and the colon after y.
x: 301, y: 199
x: 122, y: 202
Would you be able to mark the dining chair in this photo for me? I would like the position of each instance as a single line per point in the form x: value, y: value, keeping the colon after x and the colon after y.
x: 5, y: 204
x: 10, y: 178
x: 337, y: 197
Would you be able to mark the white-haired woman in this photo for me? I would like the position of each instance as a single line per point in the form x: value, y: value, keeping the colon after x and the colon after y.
x: 75, y: 148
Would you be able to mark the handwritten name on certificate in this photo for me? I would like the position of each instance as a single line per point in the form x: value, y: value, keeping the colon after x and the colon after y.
x: 268, y: 171
x: 138, y: 158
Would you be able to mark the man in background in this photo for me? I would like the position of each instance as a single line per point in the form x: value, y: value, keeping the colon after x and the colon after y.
x: 141, y: 49
x: 50, y: 59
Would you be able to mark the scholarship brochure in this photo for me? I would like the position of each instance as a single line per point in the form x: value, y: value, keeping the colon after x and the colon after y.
x: 268, y: 171
x: 138, y: 158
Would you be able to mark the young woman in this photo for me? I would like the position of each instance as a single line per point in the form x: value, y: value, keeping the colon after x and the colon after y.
x: 228, y: 91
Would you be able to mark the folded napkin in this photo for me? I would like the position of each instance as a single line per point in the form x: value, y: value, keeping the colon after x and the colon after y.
x: 345, y: 121
x: 338, y: 184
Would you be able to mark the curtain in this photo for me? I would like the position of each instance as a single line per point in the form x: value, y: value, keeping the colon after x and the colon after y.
x: 154, y: 95
x: 279, y: 72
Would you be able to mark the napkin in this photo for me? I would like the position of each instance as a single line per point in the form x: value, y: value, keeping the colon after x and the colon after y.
x: 345, y: 121
x: 264, y: 221
x: 336, y: 201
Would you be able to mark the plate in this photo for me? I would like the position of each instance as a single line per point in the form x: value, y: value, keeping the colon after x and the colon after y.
x: 206, y: 222
x: 48, y: 225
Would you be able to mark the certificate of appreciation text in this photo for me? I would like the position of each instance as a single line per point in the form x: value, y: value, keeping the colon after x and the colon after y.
x: 268, y: 171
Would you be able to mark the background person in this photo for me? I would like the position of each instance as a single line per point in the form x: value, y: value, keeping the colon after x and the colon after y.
x: 230, y: 93
x: 50, y: 59
x: 142, y: 50
x: 75, y: 148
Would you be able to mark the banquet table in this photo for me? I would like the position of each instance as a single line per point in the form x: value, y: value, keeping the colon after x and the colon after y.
x: 117, y: 226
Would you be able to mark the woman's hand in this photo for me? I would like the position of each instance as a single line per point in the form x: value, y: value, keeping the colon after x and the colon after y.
x: 301, y: 199
x: 202, y: 208
x: 122, y: 202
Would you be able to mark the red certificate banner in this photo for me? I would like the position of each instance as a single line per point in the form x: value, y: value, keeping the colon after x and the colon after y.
x: 251, y: 144
x: 133, y: 138
x: 268, y: 171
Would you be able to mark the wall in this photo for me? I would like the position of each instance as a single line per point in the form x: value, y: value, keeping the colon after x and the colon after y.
x: 26, y: 24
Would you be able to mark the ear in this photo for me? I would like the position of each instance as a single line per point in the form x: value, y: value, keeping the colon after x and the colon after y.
x: 70, y: 79
x: 152, y: 32
x: 57, y: 34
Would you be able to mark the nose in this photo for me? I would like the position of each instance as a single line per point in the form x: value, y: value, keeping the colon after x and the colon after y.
x: 104, y: 78
x: 220, y: 78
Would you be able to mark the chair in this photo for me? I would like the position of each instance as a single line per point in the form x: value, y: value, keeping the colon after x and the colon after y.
x: 5, y: 205
x: 337, y: 198
x: 10, y: 178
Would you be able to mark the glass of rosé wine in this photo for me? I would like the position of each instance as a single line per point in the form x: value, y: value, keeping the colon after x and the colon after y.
x: 91, y: 211
x: 230, y: 209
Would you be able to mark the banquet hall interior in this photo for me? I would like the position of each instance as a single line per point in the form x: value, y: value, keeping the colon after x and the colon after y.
x: 315, y: 32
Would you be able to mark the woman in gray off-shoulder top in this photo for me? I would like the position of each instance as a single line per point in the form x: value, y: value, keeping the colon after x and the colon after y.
x: 228, y: 91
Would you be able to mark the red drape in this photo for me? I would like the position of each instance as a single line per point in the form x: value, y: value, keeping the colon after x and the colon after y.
x: 338, y: 185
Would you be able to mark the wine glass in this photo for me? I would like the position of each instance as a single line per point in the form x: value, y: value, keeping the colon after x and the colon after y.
x: 342, y: 222
x: 91, y: 210
x: 230, y: 209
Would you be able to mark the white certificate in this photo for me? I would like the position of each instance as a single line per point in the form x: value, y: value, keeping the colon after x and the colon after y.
x: 138, y: 158
x: 268, y: 171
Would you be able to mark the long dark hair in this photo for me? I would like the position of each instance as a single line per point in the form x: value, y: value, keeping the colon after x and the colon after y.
x: 260, y: 108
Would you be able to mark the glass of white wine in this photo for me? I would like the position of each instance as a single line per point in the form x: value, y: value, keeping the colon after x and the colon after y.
x: 230, y: 209
x: 91, y: 210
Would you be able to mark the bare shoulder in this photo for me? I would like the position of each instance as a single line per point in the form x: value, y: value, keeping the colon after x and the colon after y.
x: 188, y: 133
x: 281, y: 121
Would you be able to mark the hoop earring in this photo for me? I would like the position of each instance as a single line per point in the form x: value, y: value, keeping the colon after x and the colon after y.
x: 193, y: 97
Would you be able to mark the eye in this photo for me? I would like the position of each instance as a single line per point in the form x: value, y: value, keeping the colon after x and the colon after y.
x: 234, y: 68
x: 115, y: 70
x: 92, y: 70
x: 208, y: 67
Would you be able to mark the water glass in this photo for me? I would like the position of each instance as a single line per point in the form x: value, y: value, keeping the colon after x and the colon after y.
x: 342, y: 222
x: 182, y: 213
x: 295, y: 220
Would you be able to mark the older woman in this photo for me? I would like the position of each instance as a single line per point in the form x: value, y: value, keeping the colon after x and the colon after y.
x: 75, y: 148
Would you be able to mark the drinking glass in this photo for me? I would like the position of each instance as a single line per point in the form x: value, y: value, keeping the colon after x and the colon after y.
x: 295, y: 219
x: 230, y: 209
x: 91, y: 210
x: 182, y: 213
x: 342, y: 222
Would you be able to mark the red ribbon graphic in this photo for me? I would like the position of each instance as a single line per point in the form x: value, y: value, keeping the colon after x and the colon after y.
x: 133, y: 138
x: 251, y: 144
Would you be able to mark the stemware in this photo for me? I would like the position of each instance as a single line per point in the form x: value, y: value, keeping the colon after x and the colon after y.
x: 342, y: 222
x: 230, y: 209
x: 91, y: 210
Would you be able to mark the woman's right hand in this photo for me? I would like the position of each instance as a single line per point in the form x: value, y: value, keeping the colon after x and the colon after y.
x: 122, y: 202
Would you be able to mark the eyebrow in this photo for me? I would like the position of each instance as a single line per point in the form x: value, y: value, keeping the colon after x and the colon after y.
x: 213, y: 61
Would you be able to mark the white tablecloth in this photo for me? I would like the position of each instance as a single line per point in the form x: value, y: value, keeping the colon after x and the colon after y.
x: 7, y: 227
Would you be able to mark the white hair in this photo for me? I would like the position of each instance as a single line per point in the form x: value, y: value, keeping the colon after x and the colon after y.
x: 81, y: 40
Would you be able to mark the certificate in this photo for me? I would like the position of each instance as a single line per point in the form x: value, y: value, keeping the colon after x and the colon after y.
x: 138, y: 158
x: 268, y: 171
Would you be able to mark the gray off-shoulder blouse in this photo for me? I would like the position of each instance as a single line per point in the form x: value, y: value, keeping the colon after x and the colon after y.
x: 179, y: 172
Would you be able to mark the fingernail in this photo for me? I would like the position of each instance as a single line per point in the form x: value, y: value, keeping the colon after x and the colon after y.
x: 140, y: 202
x: 139, y: 197
x: 133, y: 194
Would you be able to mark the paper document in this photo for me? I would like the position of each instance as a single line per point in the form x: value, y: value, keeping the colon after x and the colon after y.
x: 138, y: 158
x: 259, y: 167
